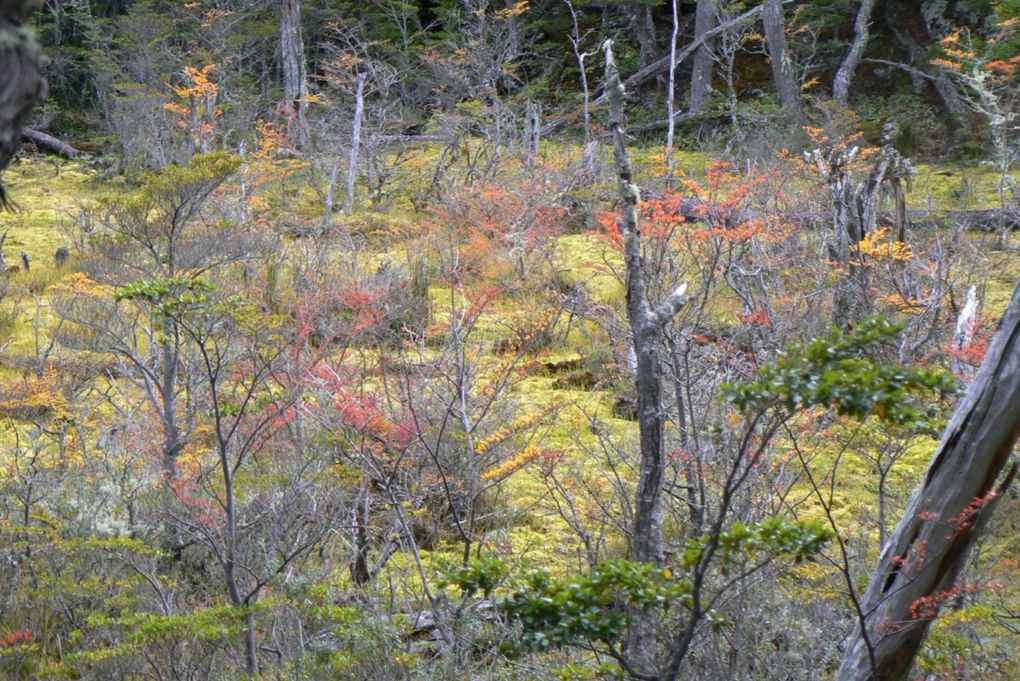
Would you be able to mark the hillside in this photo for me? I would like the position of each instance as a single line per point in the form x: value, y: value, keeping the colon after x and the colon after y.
x: 396, y: 340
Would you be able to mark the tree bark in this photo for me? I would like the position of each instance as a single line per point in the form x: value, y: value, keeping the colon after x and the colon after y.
x: 655, y: 68
x: 644, y: 30
x: 705, y: 19
x: 845, y: 74
x: 646, y: 326
x: 3, y: 261
x: 50, y: 143
x: 782, y: 67
x: 532, y: 131
x: 671, y: 93
x: 352, y: 162
x: 918, y: 568
x: 21, y: 82
x: 295, y: 76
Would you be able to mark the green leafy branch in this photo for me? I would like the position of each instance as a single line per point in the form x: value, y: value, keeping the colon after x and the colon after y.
x: 835, y: 371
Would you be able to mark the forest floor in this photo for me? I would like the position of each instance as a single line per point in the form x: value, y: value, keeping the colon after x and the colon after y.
x: 51, y: 192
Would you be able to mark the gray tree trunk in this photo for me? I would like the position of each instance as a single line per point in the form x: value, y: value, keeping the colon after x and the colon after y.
x: 588, y: 161
x: 352, y: 162
x: 671, y: 93
x: 939, y: 80
x: 782, y: 67
x: 705, y: 19
x: 845, y: 75
x: 21, y: 80
x: 644, y: 30
x: 646, y: 325
x: 659, y: 65
x: 295, y: 76
x: 919, y: 566
x: 532, y: 131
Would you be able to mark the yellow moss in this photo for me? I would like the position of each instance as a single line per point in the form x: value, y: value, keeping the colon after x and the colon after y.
x: 584, y: 260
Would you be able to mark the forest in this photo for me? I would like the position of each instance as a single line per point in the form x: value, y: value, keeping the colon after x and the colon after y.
x: 522, y: 340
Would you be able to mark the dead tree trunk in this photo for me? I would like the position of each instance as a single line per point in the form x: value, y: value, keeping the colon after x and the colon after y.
x: 705, y: 19
x: 532, y: 131
x: 855, y: 215
x: 919, y: 565
x: 671, y: 94
x: 588, y: 162
x: 647, y: 327
x: 352, y: 162
x: 295, y: 76
x: 782, y: 68
x: 845, y: 75
x: 21, y: 82
x: 50, y: 143
x: 643, y: 24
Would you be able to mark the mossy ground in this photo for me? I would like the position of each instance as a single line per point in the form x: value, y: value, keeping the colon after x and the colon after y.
x: 50, y: 192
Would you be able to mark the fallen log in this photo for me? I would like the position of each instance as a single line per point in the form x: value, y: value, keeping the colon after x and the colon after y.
x: 660, y: 65
x: 986, y: 220
x: 50, y: 143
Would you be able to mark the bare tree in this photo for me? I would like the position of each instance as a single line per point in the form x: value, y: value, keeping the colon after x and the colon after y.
x: 671, y: 94
x: 705, y: 19
x: 295, y: 77
x: 647, y: 328
x: 782, y: 68
x: 352, y: 161
x: 919, y: 566
x: 845, y: 75
x: 575, y: 38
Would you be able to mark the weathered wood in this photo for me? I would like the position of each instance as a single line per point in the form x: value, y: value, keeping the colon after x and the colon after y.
x: 295, y: 72
x: 987, y: 220
x: 647, y: 328
x: 845, y: 74
x: 980, y: 220
x: 779, y: 58
x: 657, y: 67
x: 706, y: 18
x: 352, y: 161
x: 3, y: 262
x: 919, y: 566
x: 21, y: 80
x: 50, y: 143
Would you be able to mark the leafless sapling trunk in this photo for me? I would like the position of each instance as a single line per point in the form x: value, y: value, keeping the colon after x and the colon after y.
x: 671, y: 94
x: 352, y: 162
x: 647, y: 327
x: 588, y: 162
x: 532, y: 131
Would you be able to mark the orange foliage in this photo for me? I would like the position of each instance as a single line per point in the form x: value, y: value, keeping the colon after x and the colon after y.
x: 498, y: 230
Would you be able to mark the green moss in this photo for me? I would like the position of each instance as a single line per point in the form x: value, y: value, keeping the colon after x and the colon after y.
x: 955, y: 187
x: 589, y: 262
x: 48, y: 194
